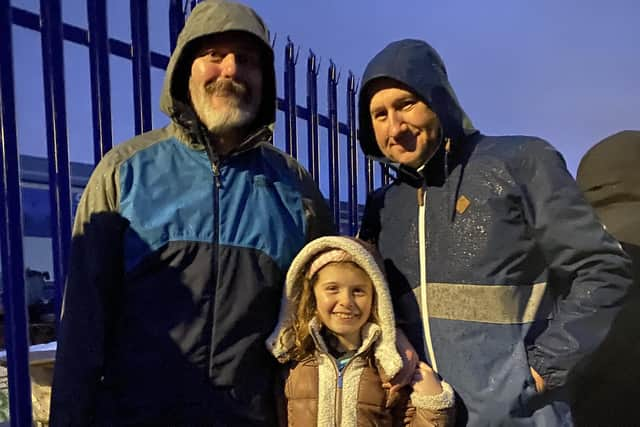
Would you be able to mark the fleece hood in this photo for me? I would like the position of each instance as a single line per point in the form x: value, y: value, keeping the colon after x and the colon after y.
x: 418, y: 66
x: 609, y: 177
x: 386, y: 354
x: 208, y: 18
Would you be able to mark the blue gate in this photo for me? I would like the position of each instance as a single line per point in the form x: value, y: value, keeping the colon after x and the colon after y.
x: 343, y: 200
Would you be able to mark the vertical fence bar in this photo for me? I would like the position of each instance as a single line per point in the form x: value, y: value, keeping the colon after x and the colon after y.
x: 313, y: 147
x: 57, y: 143
x: 384, y: 174
x: 141, y: 65
x: 352, y: 154
x: 334, y: 163
x: 11, y: 227
x: 100, y: 78
x: 368, y: 175
x: 290, y: 59
x: 176, y: 21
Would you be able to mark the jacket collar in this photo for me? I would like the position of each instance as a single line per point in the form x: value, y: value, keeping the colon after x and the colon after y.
x: 369, y: 334
x: 263, y: 134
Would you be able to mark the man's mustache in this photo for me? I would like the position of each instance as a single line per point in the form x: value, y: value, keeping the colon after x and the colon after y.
x: 226, y: 87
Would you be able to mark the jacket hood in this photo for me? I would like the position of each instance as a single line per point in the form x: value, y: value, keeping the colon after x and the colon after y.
x: 608, y: 175
x: 211, y: 17
x: 417, y: 65
x: 385, y: 352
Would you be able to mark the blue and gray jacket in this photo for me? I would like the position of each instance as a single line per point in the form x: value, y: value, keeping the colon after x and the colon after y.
x: 496, y: 262
x: 178, y: 262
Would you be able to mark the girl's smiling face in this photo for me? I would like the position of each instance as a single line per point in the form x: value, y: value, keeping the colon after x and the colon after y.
x: 344, y: 297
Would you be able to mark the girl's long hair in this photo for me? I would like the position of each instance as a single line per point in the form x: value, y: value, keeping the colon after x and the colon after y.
x: 305, y: 303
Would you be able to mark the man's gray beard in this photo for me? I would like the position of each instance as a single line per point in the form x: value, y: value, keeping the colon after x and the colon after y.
x: 232, y: 116
x: 224, y: 120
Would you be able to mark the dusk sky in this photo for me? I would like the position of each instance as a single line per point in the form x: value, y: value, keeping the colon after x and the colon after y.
x: 567, y: 71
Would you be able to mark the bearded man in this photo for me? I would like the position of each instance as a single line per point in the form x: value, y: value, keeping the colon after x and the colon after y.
x: 181, y: 243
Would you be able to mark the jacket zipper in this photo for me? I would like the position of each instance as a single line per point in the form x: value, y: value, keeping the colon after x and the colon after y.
x: 339, y: 374
x: 216, y: 176
x: 340, y: 378
x: 339, y: 398
x: 215, y: 169
x: 422, y: 242
x: 214, y: 160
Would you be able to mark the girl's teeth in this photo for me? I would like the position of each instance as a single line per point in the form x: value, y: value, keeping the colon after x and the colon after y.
x: 344, y: 316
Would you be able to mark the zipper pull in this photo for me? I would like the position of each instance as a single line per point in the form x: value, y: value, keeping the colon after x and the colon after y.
x: 216, y: 174
x: 340, y: 379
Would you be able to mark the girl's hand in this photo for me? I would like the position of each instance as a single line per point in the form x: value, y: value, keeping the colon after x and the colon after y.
x: 425, y: 380
x: 540, y: 385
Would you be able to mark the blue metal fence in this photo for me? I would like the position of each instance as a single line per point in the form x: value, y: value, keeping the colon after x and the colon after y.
x: 14, y: 298
x: 343, y: 201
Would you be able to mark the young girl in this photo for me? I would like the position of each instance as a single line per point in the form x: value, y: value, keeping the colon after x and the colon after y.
x: 336, y: 333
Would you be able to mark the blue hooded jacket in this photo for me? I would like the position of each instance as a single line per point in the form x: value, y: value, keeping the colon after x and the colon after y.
x: 497, y: 264
x: 178, y: 261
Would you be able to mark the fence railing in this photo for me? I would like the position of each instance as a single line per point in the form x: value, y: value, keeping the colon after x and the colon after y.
x: 54, y: 32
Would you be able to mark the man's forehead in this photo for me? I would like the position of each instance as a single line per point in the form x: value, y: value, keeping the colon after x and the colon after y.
x: 229, y: 40
x: 383, y: 83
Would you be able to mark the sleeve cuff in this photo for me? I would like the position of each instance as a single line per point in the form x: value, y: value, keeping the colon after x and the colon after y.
x: 445, y: 399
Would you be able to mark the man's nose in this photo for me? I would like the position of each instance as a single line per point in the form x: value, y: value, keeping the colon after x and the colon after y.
x: 229, y: 66
x: 396, y: 124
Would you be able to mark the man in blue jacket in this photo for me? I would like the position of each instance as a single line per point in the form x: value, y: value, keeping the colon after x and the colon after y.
x: 181, y: 243
x: 501, y: 274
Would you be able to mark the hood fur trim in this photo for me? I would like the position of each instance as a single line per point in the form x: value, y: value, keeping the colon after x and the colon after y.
x: 387, y: 357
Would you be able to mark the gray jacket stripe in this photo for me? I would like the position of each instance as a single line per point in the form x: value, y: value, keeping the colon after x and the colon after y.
x: 501, y: 304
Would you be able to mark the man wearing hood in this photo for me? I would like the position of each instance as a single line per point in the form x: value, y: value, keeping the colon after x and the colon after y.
x: 181, y: 244
x: 501, y: 274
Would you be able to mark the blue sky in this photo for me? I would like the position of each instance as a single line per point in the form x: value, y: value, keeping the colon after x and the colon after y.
x: 567, y: 71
